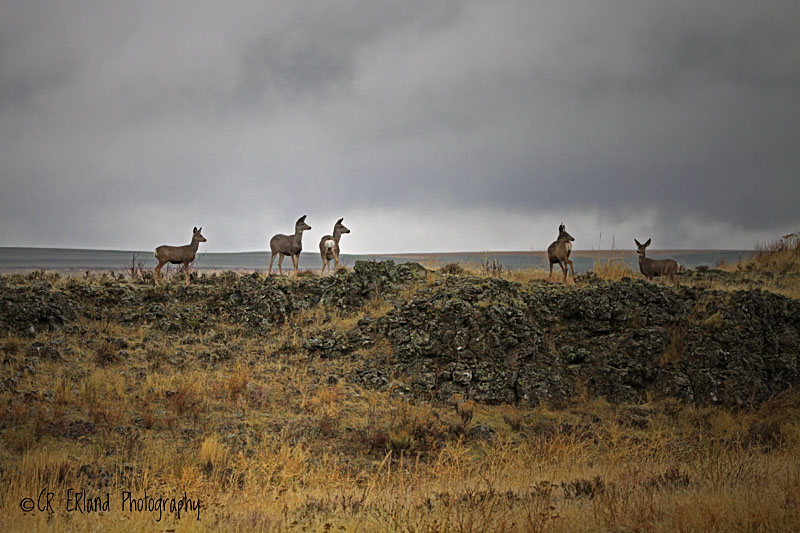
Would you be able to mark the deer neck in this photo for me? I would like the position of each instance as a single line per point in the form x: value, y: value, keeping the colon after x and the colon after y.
x: 194, y: 245
x: 298, y: 236
x: 336, y: 235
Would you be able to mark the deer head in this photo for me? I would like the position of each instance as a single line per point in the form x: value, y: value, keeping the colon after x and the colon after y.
x: 197, y: 236
x: 563, y: 235
x: 301, y: 225
x: 640, y: 247
x: 340, y: 227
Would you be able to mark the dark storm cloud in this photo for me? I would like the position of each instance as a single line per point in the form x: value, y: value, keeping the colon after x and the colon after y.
x: 424, y: 121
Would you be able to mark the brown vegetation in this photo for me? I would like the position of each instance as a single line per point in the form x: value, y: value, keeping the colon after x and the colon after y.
x: 780, y: 255
x: 271, y: 438
x: 774, y: 266
x: 612, y: 269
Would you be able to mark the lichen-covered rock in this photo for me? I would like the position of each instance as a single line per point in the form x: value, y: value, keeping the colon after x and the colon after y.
x: 488, y: 339
x: 30, y: 303
x: 43, y: 351
x: 498, y: 341
x: 33, y: 306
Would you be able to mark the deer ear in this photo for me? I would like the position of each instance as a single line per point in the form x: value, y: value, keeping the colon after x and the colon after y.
x: 200, y: 229
x: 339, y: 221
x: 194, y: 230
x: 647, y: 243
x: 637, y: 242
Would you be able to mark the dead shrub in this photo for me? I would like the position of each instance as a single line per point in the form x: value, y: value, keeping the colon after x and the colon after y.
x: 491, y: 268
x: 452, y: 269
x: 766, y: 431
x: 183, y: 399
x: 105, y: 353
x: 671, y: 478
x: 401, y: 441
x: 12, y: 345
x: 327, y: 426
x: 237, y: 382
x: 583, y: 488
x: 514, y: 421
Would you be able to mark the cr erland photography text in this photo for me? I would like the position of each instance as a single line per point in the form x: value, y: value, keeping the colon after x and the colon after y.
x: 84, y: 502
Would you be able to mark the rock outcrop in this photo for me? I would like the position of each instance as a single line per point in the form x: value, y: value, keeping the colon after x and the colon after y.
x: 488, y: 339
x: 497, y: 341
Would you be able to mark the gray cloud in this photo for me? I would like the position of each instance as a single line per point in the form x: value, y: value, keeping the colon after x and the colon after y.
x: 122, y: 126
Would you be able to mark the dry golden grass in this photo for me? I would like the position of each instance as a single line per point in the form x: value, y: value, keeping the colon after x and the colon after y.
x: 779, y: 255
x: 612, y: 269
x: 494, y: 269
x: 785, y: 287
x: 267, y: 442
x: 773, y: 267
x: 275, y: 440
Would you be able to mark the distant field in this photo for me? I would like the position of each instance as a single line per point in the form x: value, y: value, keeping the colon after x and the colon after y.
x: 67, y: 259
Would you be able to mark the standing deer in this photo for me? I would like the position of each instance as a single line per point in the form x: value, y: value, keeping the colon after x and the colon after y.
x: 655, y: 267
x: 178, y: 255
x: 329, y: 245
x: 558, y: 252
x: 290, y: 245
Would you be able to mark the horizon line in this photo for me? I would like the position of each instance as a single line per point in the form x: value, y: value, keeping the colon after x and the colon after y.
x: 408, y: 254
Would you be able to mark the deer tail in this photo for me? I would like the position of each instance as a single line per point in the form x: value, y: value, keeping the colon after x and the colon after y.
x: 155, y: 253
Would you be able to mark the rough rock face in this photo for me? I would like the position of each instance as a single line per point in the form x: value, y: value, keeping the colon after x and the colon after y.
x: 33, y: 307
x: 489, y: 339
x: 254, y: 301
x: 497, y: 341
x: 261, y: 303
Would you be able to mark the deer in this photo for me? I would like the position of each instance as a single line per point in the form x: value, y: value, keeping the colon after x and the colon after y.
x: 329, y: 245
x: 290, y: 245
x: 177, y: 255
x: 559, y: 250
x: 655, y: 267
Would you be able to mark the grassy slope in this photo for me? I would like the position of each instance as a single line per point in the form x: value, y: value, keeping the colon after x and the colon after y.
x: 270, y: 439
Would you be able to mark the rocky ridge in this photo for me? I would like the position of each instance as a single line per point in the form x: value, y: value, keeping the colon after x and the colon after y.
x: 488, y: 339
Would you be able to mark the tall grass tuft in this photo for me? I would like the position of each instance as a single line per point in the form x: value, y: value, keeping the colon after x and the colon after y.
x: 612, y: 268
x: 780, y: 255
x: 775, y: 265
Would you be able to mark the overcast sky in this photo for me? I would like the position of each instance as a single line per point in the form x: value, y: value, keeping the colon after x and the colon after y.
x: 427, y: 125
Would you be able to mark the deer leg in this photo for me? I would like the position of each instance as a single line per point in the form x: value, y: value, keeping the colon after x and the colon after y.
x: 280, y: 262
x: 324, y: 264
x: 186, y: 272
x: 571, y: 267
x: 157, y: 273
x: 564, y: 269
x: 551, y: 272
x: 271, y: 259
x: 295, y: 262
